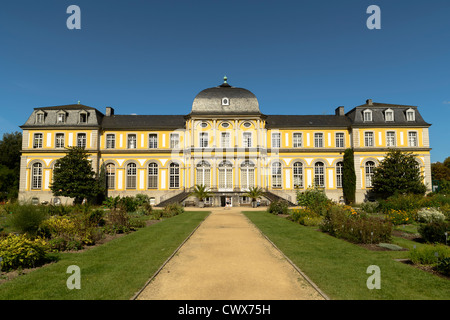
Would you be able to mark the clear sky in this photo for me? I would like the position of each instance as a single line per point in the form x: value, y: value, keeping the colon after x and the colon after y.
x: 297, y: 57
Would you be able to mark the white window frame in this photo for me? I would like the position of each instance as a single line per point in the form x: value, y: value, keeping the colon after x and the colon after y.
x: 276, y: 140
x: 367, y: 115
x: 81, y: 140
x: 319, y: 174
x: 297, y: 140
x: 174, y: 175
x: 339, y: 173
x: 297, y: 174
x: 174, y: 140
x: 36, y: 176
x: 336, y: 140
x: 410, y: 115
x: 203, y: 139
x: 58, y: 143
x: 110, y: 141
x: 391, y: 141
x: 368, y: 170
x: 277, y: 175
x: 415, y: 139
x: 38, y: 140
x: 130, y: 144
x: 369, y: 136
x: 247, y: 139
x: 153, y: 141
x: 131, y: 175
x: 110, y: 170
x: 318, y: 139
x: 225, y: 139
x: 389, y: 118
x: 153, y: 171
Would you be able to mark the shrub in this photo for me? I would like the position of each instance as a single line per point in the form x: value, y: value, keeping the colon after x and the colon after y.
x: 341, y: 222
x: 429, y: 254
x: 443, y: 266
x: 129, y: 204
x: 430, y: 215
x: 410, y: 203
x: 172, y: 209
x: 278, y: 207
x: 435, y: 232
x: 370, y: 207
x: 119, y: 222
x: 305, y: 217
x: 18, y: 251
x: 314, y: 199
x: 399, y: 217
x: 27, y: 218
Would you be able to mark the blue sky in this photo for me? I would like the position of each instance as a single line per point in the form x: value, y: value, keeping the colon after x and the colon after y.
x: 297, y: 57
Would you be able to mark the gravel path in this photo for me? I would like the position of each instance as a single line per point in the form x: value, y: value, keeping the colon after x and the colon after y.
x: 228, y: 258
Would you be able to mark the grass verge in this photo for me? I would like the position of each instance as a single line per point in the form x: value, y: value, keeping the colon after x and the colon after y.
x: 115, y: 270
x: 339, y: 268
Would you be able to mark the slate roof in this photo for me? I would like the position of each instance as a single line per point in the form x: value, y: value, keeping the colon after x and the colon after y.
x: 144, y: 122
x: 296, y: 121
x: 378, y: 115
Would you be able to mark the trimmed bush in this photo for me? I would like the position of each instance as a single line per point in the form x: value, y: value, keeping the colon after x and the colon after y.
x: 342, y: 222
x: 429, y: 254
x: 314, y: 199
x: 278, y: 207
x: 434, y: 232
x: 305, y: 217
x: 18, y: 251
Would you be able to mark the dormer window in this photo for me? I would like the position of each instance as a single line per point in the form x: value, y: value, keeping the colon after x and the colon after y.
x: 61, y: 117
x: 367, y: 114
x: 225, y: 101
x: 40, y: 117
x: 83, y: 117
x: 389, y: 115
x: 410, y: 115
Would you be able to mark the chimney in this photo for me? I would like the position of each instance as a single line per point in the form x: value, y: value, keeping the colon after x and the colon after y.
x: 109, y: 111
x: 369, y: 102
x: 340, y: 111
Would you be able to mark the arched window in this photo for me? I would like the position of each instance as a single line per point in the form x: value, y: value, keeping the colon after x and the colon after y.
x: 225, y: 176
x: 152, y: 175
x: 204, y: 174
x: 110, y: 176
x: 247, y: 175
x: 319, y: 174
x: 339, y: 173
x: 131, y: 176
x: 276, y: 175
x: 370, y: 165
x: 174, y: 175
x: 298, y: 174
x: 36, y: 176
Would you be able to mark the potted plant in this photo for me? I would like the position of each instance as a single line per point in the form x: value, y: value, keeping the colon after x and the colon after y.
x: 200, y: 192
x: 254, y: 193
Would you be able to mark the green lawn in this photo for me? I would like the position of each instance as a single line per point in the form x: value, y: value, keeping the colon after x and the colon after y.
x: 339, y: 268
x: 115, y: 270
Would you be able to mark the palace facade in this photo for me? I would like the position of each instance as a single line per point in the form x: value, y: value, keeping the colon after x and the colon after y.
x: 225, y: 143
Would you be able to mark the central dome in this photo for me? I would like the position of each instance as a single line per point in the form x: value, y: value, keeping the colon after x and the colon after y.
x: 225, y: 99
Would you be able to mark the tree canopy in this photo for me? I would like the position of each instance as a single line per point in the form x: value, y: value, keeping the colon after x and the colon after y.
x: 74, y: 177
x: 398, y: 173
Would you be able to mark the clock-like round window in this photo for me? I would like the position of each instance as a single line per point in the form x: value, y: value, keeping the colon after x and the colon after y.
x: 225, y: 124
x: 247, y: 124
x: 204, y: 124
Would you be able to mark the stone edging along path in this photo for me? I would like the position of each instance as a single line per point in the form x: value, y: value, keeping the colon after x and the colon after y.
x: 228, y: 258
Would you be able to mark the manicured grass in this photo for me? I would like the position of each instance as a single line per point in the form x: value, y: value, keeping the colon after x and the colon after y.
x: 115, y: 270
x: 339, y: 268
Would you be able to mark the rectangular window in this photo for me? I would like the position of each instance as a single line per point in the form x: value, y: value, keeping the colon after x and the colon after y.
x: 389, y: 116
x: 38, y: 140
x: 61, y: 118
x: 340, y: 140
x: 297, y: 140
x: 81, y: 140
x: 83, y: 117
x: 410, y: 115
x: 247, y: 139
x: 203, y: 141
x: 390, y: 139
x: 276, y: 140
x: 153, y: 141
x: 318, y: 140
x: 368, y: 139
x: 412, y: 139
x: 131, y: 141
x: 174, y: 140
x: 110, y: 141
x: 59, y: 140
x: 39, y: 118
x: 367, y: 116
x: 225, y: 140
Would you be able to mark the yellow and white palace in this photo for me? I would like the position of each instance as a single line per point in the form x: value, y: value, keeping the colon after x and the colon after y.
x: 225, y: 143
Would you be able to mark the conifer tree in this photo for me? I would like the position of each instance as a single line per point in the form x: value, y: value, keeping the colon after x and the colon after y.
x: 349, y: 177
